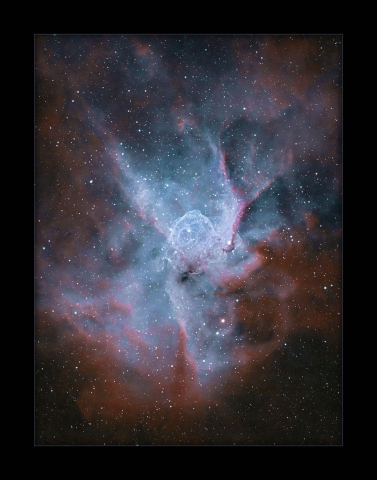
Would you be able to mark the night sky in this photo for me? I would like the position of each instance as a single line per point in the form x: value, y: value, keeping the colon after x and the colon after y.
x: 188, y: 240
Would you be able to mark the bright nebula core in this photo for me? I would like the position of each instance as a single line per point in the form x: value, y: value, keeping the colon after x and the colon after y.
x: 188, y: 240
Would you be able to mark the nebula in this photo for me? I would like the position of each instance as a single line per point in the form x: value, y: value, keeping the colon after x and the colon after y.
x: 188, y: 218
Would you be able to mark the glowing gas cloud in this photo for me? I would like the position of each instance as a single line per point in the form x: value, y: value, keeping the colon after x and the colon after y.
x: 188, y: 240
